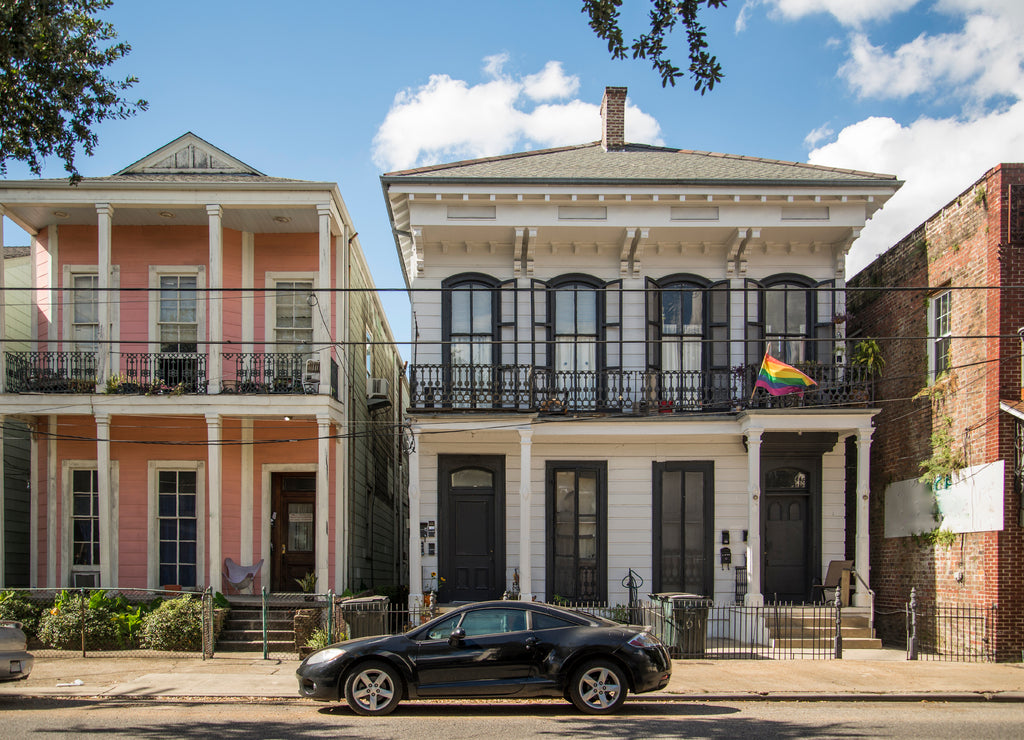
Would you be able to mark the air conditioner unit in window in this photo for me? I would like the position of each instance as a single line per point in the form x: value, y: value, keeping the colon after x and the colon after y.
x: 85, y: 579
x: 377, y: 388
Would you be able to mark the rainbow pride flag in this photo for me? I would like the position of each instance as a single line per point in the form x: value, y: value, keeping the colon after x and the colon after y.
x: 778, y: 378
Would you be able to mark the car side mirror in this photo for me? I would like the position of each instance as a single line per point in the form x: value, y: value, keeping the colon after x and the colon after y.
x: 456, y: 637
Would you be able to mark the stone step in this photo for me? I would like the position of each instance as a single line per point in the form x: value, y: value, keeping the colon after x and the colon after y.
x: 256, y: 635
x: 235, y: 646
x: 825, y: 632
x: 854, y: 643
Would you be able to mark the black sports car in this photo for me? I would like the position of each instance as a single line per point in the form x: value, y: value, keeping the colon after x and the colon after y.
x: 492, y: 649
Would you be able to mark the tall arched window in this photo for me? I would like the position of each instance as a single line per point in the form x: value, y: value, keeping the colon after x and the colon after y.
x: 688, y: 321
x: 469, y: 321
x: 576, y: 308
x: 793, y: 316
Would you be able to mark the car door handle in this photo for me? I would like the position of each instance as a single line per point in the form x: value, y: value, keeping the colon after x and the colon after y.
x: 530, y: 643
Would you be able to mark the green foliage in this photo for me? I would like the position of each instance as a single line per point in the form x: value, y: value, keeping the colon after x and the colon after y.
x: 946, y: 459
x: 319, y: 639
x: 177, y: 624
x: 942, y: 537
x: 704, y: 68
x: 52, y: 88
x: 221, y: 601
x: 867, y: 353
x: 307, y: 583
x: 15, y: 605
x: 62, y: 626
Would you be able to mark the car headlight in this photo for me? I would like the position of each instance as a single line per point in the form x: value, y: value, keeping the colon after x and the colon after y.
x: 322, y: 656
x: 644, y: 640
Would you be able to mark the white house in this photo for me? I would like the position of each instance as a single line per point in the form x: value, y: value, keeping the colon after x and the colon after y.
x: 589, y: 322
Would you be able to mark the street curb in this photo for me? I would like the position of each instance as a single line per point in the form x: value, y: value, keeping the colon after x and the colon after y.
x: 922, y: 696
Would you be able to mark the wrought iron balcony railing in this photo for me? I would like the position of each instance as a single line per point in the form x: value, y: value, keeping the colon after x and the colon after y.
x: 51, y: 372
x: 160, y: 373
x: 524, y: 388
x: 270, y: 372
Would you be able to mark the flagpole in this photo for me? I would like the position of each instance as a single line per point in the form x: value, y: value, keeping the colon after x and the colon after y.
x: 754, y: 389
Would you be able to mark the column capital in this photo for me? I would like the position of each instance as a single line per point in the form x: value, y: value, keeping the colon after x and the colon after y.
x: 105, y: 209
x: 102, y: 418
x: 214, y: 210
x: 213, y: 419
x: 323, y: 420
x: 323, y: 209
x: 525, y: 436
x: 753, y: 436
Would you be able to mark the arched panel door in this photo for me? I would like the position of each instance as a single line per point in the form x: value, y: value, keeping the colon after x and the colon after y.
x: 787, y: 534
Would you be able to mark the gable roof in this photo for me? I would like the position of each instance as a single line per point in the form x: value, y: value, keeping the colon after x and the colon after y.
x: 637, y: 164
x: 189, y: 154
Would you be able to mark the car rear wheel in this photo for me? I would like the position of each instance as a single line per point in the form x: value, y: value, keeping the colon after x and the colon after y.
x: 373, y: 689
x: 598, y: 687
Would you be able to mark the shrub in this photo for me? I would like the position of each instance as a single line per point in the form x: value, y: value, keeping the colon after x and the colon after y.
x: 61, y: 627
x: 176, y: 624
x: 15, y: 605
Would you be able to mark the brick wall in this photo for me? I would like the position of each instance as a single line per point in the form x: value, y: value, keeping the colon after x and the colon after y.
x: 961, y: 246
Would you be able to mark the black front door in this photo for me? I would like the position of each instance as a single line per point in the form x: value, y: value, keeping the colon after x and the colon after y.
x: 786, y: 539
x: 472, y: 529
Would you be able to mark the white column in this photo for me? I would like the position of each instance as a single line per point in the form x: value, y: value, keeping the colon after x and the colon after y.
x: 33, y: 505
x: 213, y: 532
x: 525, y: 502
x: 3, y: 468
x: 754, y: 596
x: 3, y: 363
x: 340, y: 512
x: 323, y: 479
x: 104, y: 237
x: 245, y: 538
x: 215, y: 302
x: 248, y: 294
x: 415, y: 561
x: 108, y: 569
x: 322, y: 309
x: 51, y: 506
x: 862, y: 549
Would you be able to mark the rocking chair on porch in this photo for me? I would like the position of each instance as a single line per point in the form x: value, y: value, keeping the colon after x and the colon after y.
x: 240, y: 577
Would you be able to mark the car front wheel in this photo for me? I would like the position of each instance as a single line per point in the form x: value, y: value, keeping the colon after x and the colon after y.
x: 373, y: 689
x: 598, y: 687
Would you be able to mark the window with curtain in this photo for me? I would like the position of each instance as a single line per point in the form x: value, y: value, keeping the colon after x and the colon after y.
x: 787, y: 320
x: 293, y: 316
x: 470, y: 328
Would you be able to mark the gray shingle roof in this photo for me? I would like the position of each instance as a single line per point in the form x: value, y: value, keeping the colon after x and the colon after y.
x: 638, y: 163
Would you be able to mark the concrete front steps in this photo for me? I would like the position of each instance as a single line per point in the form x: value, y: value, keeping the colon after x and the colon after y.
x: 243, y: 629
x: 809, y: 628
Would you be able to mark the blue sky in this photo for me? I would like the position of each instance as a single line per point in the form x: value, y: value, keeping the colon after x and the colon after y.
x: 929, y: 90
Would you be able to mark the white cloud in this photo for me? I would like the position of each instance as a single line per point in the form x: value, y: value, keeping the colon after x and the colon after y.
x: 551, y: 83
x: 818, y: 135
x: 983, y: 60
x: 848, y: 12
x: 937, y: 159
x: 448, y: 119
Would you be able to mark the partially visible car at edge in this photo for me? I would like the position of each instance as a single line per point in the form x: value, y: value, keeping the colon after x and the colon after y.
x: 495, y: 649
x: 15, y: 660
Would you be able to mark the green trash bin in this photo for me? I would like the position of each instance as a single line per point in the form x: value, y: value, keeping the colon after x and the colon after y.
x: 683, y: 623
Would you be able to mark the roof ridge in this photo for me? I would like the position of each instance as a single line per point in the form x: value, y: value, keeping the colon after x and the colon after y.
x: 494, y: 158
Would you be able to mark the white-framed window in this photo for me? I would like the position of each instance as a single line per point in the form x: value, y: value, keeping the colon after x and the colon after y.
x: 85, y: 519
x: 177, y: 523
x: 177, y: 315
x: 293, y: 316
x: 85, y: 322
x: 940, y: 308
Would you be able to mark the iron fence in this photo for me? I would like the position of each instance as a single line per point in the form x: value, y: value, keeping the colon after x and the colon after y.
x: 949, y: 632
x: 267, y: 372
x: 85, y: 622
x: 51, y: 372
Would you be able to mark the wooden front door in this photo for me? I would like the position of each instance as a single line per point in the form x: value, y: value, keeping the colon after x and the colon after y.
x: 472, y: 527
x: 786, y: 540
x: 293, y: 534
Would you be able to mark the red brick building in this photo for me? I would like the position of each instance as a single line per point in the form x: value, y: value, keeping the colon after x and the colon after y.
x: 946, y: 307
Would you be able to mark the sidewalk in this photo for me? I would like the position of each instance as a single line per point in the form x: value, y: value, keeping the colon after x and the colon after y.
x: 880, y: 675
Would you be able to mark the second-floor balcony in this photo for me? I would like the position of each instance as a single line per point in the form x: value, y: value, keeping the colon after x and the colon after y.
x: 165, y: 373
x: 458, y: 388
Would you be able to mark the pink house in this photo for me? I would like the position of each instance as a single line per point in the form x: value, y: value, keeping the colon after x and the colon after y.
x: 195, y: 381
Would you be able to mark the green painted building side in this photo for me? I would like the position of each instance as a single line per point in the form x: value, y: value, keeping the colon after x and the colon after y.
x: 16, y: 494
x: 378, y: 463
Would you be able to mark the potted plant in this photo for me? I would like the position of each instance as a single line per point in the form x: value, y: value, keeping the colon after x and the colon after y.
x: 307, y: 583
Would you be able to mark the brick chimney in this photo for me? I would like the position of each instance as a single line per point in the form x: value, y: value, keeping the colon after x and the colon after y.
x: 613, y: 119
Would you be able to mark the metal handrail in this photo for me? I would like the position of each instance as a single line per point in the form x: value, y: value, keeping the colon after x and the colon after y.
x: 871, y: 595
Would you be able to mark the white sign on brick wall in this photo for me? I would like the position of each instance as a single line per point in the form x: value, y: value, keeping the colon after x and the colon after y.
x: 971, y: 502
